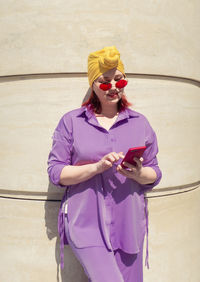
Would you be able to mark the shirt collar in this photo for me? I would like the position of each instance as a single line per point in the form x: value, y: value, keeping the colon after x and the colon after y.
x: 85, y: 112
x: 123, y: 115
x: 127, y: 113
x: 88, y: 113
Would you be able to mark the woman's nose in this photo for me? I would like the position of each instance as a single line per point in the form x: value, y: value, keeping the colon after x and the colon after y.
x: 113, y: 84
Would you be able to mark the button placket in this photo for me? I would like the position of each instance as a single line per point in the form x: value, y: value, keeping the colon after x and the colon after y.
x: 108, y: 198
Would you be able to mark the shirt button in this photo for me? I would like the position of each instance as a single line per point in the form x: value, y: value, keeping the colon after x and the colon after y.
x: 112, y: 138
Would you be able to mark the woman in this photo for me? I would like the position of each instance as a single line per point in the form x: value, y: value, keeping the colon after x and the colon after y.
x: 103, y: 215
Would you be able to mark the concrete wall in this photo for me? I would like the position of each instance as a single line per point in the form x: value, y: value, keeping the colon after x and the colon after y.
x: 43, y: 51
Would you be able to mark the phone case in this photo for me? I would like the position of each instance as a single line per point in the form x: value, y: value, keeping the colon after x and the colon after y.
x: 131, y: 154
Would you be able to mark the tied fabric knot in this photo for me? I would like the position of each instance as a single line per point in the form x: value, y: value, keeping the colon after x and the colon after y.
x: 61, y: 228
x: 147, y: 233
x: 61, y: 233
x: 110, y: 59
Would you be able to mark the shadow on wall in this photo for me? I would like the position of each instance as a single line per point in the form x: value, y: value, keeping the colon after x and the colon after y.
x: 72, y: 271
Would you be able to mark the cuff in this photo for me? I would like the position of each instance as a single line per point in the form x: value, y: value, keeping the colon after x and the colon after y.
x: 159, y: 176
x: 54, y: 175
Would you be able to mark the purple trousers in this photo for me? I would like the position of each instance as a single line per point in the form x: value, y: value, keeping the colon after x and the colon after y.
x: 103, y: 265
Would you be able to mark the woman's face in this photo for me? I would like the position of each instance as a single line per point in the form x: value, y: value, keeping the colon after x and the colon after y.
x: 114, y: 94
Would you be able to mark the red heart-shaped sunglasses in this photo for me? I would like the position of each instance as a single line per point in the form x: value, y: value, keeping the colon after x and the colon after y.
x: 119, y: 84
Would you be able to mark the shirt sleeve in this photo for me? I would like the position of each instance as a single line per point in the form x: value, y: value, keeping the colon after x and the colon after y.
x: 60, y: 154
x: 150, y: 155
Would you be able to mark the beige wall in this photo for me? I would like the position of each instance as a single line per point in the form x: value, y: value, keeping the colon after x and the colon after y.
x: 158, y: 41
x: 56, y: 36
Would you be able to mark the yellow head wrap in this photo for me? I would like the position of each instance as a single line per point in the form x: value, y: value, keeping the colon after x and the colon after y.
x: 102, y: 61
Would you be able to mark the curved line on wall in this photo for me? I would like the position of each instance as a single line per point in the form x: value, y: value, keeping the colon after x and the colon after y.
x: 7, y: 78
x: 42, y: 196
x: 56, y: 197
x: 170, y: 191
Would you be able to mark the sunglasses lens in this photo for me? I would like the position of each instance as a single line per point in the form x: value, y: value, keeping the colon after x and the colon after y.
x: 121, y: 83
x: 105, y: 86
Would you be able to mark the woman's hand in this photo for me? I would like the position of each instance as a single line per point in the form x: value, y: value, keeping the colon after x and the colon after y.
x: 131, y: 171
x: 107, y: 161
x: 143, y: 175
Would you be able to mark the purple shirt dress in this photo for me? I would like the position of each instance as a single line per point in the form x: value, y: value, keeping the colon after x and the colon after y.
x: 108, y: 209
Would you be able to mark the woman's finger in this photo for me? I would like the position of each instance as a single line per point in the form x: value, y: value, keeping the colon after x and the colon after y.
x: 113, y: 157
x: 128, y: 165
x: 125, y: 172
x: 110, y: 158
x: 121, y: 155
x: 138, y: 162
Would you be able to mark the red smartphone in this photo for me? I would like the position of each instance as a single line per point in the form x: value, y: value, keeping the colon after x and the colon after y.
x: 131, y: 154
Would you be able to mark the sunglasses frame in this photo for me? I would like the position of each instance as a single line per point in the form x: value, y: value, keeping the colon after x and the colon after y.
x: 119, y: 84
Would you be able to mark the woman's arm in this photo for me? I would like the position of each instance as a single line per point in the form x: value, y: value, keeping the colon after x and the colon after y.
x: 76, y: 174
x: 147, y: 176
